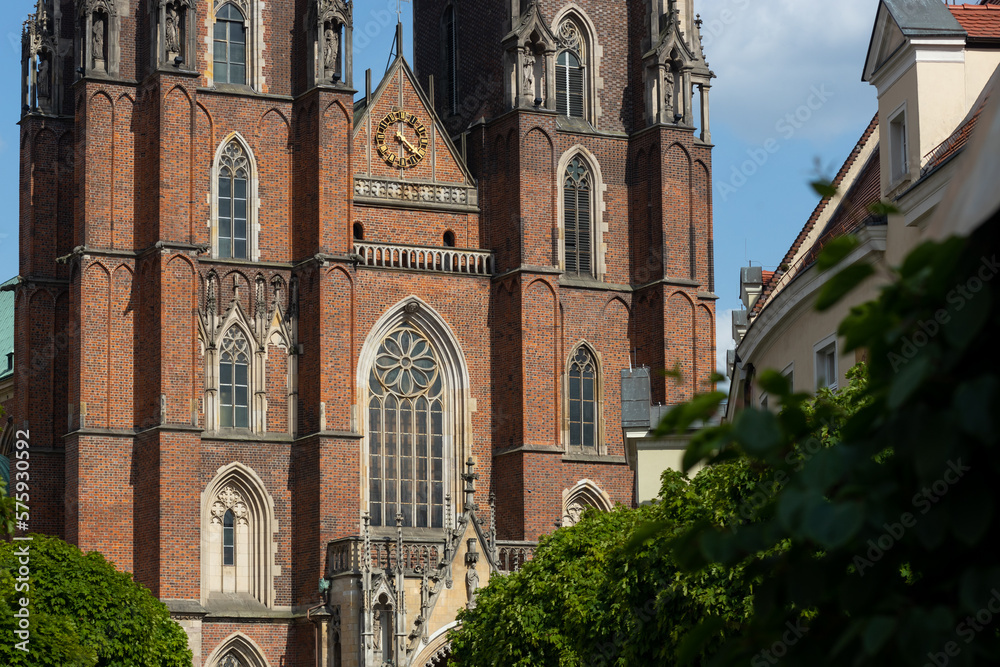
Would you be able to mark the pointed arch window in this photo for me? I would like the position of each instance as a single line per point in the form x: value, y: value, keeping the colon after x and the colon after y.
x: 583, y: 404
x: 571, y: 82
x: 569, y: 85
x: 231, y: 661
x: 406, y: 413
x: 234, y: 205
x: 578, y: 188
x: 230, y: 46
x: 234, y: 381
x: 450, y: 43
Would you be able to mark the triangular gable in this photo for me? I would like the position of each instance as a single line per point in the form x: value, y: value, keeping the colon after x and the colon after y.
x: 887, y: 38
x: 898, y: 20
x: 440, y: 179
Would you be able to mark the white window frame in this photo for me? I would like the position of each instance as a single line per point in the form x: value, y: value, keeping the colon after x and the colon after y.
x: 899, y: 145
x: 789, y: 374
x: 822, y: 348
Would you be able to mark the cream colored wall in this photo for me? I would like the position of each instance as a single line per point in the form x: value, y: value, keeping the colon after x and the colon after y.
x: 942, y: 104
x: 792, y: 340
x: 904, y: 90
x: 979, y: 67
x: 652, y: 459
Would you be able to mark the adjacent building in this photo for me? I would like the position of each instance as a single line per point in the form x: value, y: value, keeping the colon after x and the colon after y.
x: 934, y: 67
x: 314, y: 365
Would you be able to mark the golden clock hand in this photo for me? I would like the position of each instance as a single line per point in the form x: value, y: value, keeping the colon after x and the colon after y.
x: 406, y: 143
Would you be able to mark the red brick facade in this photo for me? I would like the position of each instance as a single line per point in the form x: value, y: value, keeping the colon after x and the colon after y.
x: 111, y: 343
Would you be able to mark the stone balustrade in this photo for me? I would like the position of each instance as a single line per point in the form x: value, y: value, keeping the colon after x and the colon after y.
x: 424, y: 258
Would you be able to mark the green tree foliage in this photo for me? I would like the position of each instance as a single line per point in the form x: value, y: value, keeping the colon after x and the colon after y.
x: 82, y: 612
x: 609, y: 591
x: 886, y: 531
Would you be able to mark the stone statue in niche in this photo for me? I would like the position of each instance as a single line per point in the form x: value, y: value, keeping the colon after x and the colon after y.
x: 44, y: 80
x: 98, y: 42
x: 331, y: 42
x: 669, y: 87
x: 529, y: 75
x: 173, y: 32
x: 377, y: 632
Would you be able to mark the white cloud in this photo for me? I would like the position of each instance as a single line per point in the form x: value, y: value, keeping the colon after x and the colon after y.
x: 769, y: 57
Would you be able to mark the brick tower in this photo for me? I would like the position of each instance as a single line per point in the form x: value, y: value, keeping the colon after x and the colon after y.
x: 269, y: 336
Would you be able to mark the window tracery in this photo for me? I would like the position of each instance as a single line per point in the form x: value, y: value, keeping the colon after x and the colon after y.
x: 577, y: 218
x: 583, y: 403
x: 406, y: 432
x: 234, y: 380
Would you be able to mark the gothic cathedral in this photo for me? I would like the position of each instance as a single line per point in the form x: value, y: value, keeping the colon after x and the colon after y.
x: 314, y: 359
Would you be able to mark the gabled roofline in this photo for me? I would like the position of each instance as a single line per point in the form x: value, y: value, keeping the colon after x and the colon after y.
x: 915, y: 19
x: 397, y: 64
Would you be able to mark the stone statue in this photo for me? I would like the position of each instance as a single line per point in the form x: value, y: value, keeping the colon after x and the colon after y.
x: 529, y: 74
x: 331, y: 41
x: 472, y: 586
x: 668, y: 94
x: 98, y: 39
x: 573, y: 514
x: 173, y: 31
x: 44, y: 80
x: 377, y: 632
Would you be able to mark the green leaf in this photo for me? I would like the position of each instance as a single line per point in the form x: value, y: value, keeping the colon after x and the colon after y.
x: 841, y: 284
x: 758, y: 432
x: 774, y: 383
x: 835, y: 251
x: 832, y: 525
x: 877, y: 632
x: 908, y: 380
x: 694, y: 641
x: 824, y: 188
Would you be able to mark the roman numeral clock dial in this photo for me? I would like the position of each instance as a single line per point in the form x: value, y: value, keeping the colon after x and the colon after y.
x: 401, y: 139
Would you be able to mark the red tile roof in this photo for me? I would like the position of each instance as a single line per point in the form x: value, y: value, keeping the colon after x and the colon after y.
x: 980, y: 21
x: 956, y: 142
x: 769, y: 285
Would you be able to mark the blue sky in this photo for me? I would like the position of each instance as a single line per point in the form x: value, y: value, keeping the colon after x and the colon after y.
x: 789, y: 72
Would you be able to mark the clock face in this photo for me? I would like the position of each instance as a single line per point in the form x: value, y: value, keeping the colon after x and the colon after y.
x: 401, y: 139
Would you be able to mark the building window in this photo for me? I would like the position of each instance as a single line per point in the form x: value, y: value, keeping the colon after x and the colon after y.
x: 577, y: 221
x: 789, y: 374
x: 898, y: 147
x: 450, y: 43
x: 228, y: 539
x: 571, y: 66
x: 359, y: 232
x: 406, y: 432
x: 231, y: 661
x: 235, y: 207
x: 449, y: 239
x: 230, y: 42
x: 238, y: 528
x: 234, y: 381
x: 826, y: 364
x: 582, y: 390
